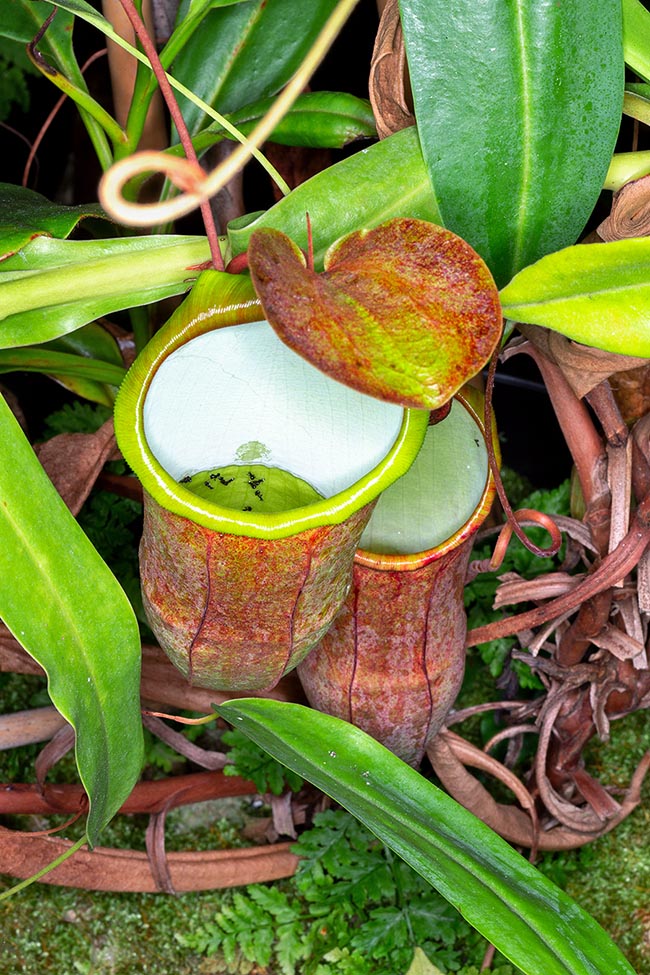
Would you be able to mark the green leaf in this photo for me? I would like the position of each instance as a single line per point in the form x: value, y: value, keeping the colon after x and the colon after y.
x: 530, y: 920
x: 25, y: 214
x: 595, y: 294
x: 55, y: 286
x: 20, y: 20
x: 68, y: 611
x: 636, y: 37
x: 92, y: 340
x: 397, y: 186
x: 317, y: 119
x: 60, y: 363
x: 518, y: 107
x: 245, y: 52
x: 406, y: 312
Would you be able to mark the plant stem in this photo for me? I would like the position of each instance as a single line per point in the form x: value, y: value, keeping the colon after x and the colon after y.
x: 96, y: 120
x: 179, y: 122
x: 6, y: 894
x: 188, y: 178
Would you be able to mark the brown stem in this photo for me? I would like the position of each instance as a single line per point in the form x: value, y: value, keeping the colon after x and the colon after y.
x: 556, y: 537
x: 579, y: 432
x: 177, y: 117
x: 601, y: 399
x: 590, y: 620
x: 613, y: 568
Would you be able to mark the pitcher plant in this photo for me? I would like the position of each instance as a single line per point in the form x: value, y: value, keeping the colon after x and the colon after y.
x: 393, y: 661
x: 259, y: 476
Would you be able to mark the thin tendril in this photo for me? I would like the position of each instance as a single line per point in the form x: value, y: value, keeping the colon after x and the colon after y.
x: 6, y: 894
x: 513, y: 523
x: 206, y: 719
x: 179, y: 122
x: 191, y: 178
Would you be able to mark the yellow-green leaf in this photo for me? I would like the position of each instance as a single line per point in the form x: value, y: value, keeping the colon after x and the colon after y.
x: 597, y: 294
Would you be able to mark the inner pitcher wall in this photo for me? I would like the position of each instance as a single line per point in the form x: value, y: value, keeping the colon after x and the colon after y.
x: 437, y: 495
x: 238, y: 395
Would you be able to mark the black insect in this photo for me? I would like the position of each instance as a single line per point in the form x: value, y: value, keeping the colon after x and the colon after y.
x: 208, y: 485
x: 258, y: 494
x: 213, y: 477
x: 247, y: 508
x: 186, y: 479
x: 226, y: 481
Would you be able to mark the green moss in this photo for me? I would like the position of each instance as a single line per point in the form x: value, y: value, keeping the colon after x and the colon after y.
x: 611, y: 877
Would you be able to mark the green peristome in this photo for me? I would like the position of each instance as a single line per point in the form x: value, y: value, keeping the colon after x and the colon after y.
x: 421, y: 512
x: 518, y: 107
x: 595, y: 294
x: 219, y: 301
x: 538, y: 927
x: 386, y: 180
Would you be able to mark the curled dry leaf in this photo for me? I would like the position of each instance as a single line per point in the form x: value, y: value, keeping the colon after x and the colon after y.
x: 407, y: 312
x: 73, y: 462
x: 390, y: 94
x: 630, y: 214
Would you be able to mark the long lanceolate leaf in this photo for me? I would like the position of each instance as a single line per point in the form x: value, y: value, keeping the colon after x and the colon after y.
x: 52, y: 287
x: 66, y: 608
x: 245, y: 52
x: 518, y: 107
x: 531, y: 921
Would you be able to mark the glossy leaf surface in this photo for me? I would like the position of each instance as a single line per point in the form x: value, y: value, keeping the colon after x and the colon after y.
x: 55, y: 286
x: 25, y: 215
x: 60, y: 363
x: 68, y: 611
x: 595, y: 294
x: 245, y: 52
x: 406, y: 312
x: 389, y: 179
x: 317, y: 119
x: 93, y: 341
x: 636, y: 37
x: 530, y: 920
x: 518, y: 108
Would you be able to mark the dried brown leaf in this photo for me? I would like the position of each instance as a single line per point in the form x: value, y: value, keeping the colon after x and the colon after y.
x: 390, y: 94
x: 630, y: 214
x: 73, y: 462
